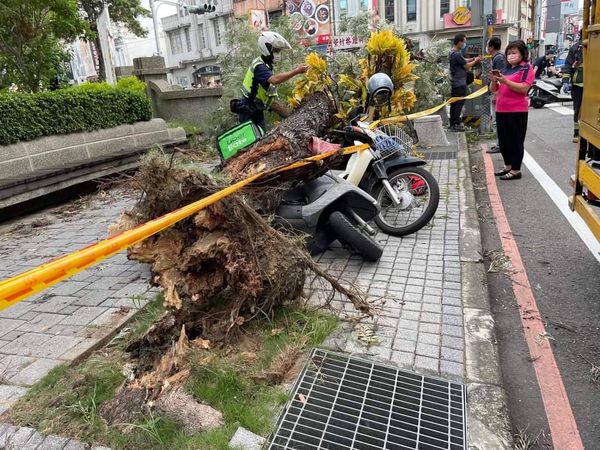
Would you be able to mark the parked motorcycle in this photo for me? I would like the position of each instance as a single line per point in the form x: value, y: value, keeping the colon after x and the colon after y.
x: 407, y: 194
x: 329, y: 208
x: 547, y: 91
x: 326, y: 209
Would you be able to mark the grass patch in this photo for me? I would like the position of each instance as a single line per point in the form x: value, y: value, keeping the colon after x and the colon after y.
x: 242, y: 380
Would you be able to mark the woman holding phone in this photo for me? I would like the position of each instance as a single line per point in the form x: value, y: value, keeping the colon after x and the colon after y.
x: 512, y: 104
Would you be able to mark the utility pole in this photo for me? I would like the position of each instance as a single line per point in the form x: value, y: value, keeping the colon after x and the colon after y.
x: 487, y: 20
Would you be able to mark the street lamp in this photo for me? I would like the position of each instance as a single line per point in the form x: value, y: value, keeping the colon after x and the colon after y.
x: 208, y: 7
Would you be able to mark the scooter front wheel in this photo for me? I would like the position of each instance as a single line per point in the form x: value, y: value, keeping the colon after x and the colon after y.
x: 349, y: 235
x: 419, y: 196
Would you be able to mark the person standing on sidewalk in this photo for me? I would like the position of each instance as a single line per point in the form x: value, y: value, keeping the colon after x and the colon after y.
x: 511, y: 85
x: 572, y: 79
x: 459, y: 65
x: 498, y: 63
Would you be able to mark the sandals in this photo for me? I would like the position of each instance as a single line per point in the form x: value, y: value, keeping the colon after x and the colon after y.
x: 502, y: 172
x: 511, y: 176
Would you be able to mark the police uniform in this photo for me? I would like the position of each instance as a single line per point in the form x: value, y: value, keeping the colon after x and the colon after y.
x: 257, y: 93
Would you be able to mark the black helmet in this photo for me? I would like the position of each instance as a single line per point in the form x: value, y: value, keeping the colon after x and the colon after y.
x: 379, y: 89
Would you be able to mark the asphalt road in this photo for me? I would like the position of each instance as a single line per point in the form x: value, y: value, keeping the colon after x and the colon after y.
x: 563, y: 273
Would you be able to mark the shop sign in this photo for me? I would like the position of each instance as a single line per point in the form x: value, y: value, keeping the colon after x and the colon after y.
x: 345, y: 43
x: 461, y: 15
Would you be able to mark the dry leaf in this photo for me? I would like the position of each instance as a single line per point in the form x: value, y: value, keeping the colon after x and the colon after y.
x: 302, y: 398
x: 201, y: 343
x: 240, y: 321
x: 249, y: 356
x: 276, y: 331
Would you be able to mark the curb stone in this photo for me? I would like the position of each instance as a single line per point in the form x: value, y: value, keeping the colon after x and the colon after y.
x: 25, y: 438
x: 488, y: 419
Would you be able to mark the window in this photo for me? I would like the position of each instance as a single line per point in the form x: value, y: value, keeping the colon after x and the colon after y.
x: 411, y: 10
x: 175, y: 40
x: 202, y: 35
x: 183, y: 81
x: 217, y: 32
x: 343, y: 7
x: 444, y: 7
x: 390, y: 15
x: 188, y: 40
x: 364, y: 5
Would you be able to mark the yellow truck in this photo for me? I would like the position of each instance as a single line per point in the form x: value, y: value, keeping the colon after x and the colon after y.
x: 587, y: 174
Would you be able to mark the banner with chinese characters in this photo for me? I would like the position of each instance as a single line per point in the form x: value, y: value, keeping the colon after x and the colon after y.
x: 311, y: 19
x: 345, y: 42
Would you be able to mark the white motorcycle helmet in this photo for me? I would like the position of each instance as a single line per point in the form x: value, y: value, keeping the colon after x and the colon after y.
x: 379, y: 90
x: 269, y: 41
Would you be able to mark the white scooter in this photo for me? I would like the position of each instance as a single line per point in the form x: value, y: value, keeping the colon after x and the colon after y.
x: 547, y: 91
x: 407, y: 194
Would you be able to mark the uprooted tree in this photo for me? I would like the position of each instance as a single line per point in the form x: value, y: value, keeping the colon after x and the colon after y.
x: 226, y: 265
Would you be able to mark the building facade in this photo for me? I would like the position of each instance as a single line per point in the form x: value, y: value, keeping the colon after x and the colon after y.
x: 424, y: 21
x: 193, y: 43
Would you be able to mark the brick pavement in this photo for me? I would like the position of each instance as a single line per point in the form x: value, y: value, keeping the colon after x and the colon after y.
x: 62, y: 323
x: 420, y: 326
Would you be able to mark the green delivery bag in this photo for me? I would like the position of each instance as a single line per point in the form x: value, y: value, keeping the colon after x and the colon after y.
x: 238, y: 138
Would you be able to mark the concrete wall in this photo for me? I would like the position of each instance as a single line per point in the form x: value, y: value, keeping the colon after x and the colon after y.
x: 183, y: 105
x: 172, y: 102
x: 54, y: 153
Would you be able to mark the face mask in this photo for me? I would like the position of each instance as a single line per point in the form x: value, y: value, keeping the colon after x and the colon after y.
x: 276, y: 57
x: 513, y: 59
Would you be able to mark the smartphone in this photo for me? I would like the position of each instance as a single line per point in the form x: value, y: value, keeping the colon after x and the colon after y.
x: 495, y: 72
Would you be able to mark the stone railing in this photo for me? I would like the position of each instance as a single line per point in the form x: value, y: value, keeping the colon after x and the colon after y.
x: 30, y: 169
x: 191, y: 106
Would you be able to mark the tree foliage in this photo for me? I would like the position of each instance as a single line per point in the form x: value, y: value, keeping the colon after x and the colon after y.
x: 32, y: 34
x: 346, y: 78
x: 433, y: 85
x: 124, y: 13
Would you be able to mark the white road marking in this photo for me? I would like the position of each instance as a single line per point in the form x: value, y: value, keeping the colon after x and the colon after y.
x: 562, y: 202
x: 563, y: 110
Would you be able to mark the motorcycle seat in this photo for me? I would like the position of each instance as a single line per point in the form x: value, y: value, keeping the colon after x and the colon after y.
x: 554, y: 81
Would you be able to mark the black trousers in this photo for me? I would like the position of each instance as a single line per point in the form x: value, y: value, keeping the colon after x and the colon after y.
x: 456, y: 108
x: 511, y: 129
x: 577, y: 94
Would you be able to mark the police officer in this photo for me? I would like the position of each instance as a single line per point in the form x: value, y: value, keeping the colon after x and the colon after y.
x: 572, y: 78
x: 258, y: 89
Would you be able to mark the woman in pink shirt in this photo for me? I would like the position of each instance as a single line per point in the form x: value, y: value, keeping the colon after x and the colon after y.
x: 511, y: 85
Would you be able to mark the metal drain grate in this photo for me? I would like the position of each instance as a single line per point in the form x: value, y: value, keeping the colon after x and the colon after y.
x: 341, y: 403
x: 432, y: 156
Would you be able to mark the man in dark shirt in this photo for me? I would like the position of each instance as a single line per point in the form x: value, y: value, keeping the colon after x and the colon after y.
x: 543, y: 62
x: 458, y: 76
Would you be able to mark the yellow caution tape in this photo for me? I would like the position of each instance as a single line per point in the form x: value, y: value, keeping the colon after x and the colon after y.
x: 427, y: 112
x: 35, y: 280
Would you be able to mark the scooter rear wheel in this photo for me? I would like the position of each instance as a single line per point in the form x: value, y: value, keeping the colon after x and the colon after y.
x: 349, y: 235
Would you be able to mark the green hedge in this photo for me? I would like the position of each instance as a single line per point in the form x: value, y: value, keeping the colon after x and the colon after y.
x: 28, y: 116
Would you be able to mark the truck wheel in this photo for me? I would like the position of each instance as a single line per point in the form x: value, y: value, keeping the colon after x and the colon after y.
x: 349, y: 235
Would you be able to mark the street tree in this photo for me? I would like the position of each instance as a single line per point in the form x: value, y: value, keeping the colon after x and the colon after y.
x: 32, y: 40
x: 124, y: 13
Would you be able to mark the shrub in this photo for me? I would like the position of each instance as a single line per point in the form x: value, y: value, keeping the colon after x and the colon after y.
x: 88, y: 107
x: 132, y: 83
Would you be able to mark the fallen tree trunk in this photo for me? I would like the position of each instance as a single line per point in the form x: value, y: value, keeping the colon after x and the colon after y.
x: 287, y: 142
x: 225, y: 265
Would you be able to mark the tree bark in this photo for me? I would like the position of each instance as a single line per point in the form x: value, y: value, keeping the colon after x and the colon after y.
x: 101, y: 68
x: 288, y: 142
